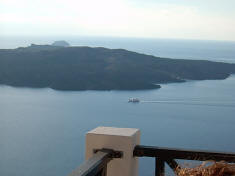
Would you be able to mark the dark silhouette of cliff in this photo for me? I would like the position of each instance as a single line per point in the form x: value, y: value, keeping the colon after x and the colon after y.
x: 85, y: 68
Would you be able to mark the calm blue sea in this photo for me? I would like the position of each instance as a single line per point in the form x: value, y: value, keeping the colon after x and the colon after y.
x: 42, y: 131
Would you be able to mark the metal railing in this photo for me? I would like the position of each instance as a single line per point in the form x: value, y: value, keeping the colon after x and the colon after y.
x: 97, y: 165
x: 168, y: 155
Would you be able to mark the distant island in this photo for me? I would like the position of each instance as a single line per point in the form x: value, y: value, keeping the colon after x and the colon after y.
x: 61, y: 43
x: 86, y: 68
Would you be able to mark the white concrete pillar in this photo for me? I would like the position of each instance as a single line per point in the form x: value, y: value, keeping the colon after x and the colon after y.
x: 120, y: 139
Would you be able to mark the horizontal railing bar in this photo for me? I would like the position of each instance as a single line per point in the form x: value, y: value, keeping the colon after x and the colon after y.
x: 92, y: 166
x: 172, y: 153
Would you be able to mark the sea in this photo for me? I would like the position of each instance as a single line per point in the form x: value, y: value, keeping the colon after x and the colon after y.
x: 42, y: 131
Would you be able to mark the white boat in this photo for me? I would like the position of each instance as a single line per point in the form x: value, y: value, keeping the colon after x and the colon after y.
x: 134, y: 100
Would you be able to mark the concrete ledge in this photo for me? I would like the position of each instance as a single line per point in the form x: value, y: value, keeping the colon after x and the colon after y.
x: 122, y: 139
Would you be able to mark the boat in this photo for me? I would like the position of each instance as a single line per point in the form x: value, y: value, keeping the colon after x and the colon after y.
x: 133, y: 100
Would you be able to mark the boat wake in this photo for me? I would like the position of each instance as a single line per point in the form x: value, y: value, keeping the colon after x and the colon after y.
x: 194, y: 103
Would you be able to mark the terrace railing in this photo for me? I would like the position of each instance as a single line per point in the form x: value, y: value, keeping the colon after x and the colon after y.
x: 128, y: 152
x: 97, y: 165
x: 168, y: 155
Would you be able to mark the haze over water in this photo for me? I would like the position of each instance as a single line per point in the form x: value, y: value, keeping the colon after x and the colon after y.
x: 171, y: 48
x: 42, y: 131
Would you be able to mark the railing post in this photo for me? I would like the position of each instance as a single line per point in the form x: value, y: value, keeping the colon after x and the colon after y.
x: 159, y: 167
x: 118, y: 139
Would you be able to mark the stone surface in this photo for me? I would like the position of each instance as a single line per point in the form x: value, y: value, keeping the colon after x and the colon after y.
x: 122, y: 139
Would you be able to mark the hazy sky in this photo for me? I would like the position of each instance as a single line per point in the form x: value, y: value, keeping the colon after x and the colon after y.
x: 188, y: 19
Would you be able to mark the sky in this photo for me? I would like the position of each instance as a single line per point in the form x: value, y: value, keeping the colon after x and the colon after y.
x: 181, y: 19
